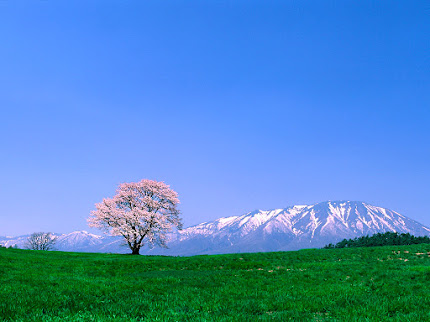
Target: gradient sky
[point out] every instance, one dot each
(238, 105)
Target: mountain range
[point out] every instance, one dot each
(291, 228)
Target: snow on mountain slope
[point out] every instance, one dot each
(290, 228)
(77, 241)
(9, 241)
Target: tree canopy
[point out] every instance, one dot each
(381, 239)
(41, 241)
(140, 212)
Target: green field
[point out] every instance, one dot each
(359, 284)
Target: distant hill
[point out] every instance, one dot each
(284, 229)
(77, 241)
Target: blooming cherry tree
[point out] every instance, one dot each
(141, 212)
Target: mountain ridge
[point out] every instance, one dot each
(283, 229)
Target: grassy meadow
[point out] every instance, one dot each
(389, 283)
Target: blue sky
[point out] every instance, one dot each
(238, 105)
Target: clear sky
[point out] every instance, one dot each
(238, 105)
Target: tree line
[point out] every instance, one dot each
(380, 239)
(10, 247)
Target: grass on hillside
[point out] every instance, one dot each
(360, 284)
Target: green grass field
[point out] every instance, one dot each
(360, 284)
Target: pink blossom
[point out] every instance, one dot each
(141, 212)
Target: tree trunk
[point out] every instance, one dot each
(135, 251)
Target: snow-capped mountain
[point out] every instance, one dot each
(77, 241)
(83, 241)
(290, 228)
(9, 241)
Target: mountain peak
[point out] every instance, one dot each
(295, 227)
(282, 229)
